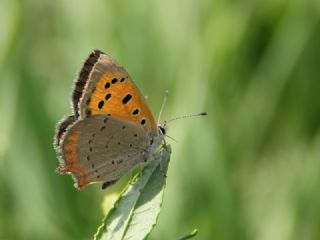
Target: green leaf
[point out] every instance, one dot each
(190, 235)
(135, 212)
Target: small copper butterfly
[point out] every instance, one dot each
(112, 128)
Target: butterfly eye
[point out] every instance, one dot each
(162, 130)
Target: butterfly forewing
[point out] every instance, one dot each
(110, 90)
(82, 80)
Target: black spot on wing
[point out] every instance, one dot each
(136, 111)
(100, 104)
(127, 98)
(107, 85)
(108, 96)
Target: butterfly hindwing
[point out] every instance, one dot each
(101, 148)
(62, 127)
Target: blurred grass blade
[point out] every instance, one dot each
(190, 235)
(137, 208)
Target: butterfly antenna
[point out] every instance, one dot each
(163, 105)
(171, 138)
(187, 116)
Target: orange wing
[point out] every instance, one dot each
(104, 87)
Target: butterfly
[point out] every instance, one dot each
(112, 128)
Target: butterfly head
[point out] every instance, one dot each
(163, 128)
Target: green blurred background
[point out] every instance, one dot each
(249, 170)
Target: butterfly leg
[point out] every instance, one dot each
(108, 184)
(162, 167)
(134, 173)
(131, 177)
(161, 163)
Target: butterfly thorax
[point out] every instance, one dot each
(156, 141)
